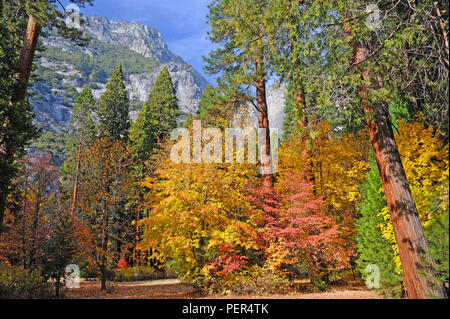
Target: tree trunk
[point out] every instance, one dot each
(264, 130)
(104, 247)
(20, 91)
(409, 233)
(58, 279)
(35, 224)
(75, 183)
(300, 101)
(26, 58)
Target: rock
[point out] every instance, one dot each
(53, 102)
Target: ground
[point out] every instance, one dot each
(173, 289)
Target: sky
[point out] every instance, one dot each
(182, 23)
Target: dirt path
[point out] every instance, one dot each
(174, 289)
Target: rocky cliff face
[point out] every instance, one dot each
(65, 69)
(133, 35)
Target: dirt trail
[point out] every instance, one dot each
(174, 289)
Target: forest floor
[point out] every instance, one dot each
(174, 289)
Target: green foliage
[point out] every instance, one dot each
(59, 249)
(16, 127)
(208, 106)
(373, 248)
(82, 121)
(96, 68)
(292, 114)
(398, 109)
(19, 283)
(114, 108)
(52, 142)
(156, 119)
(438, 237)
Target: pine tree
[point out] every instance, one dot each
(59, 249)
(16, 127)
(114, 108)
(20, 27)
(82, 131)
(292, 114)
(82, 126)
(373, 248)
(237, 26)
(207, 106)
(156, 119)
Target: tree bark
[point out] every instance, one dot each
(20, 91)
(57, 283)
(264, 130)
(75, 183)
(26, 58)
(104, 247)
(408, 229)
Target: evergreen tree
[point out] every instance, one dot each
(156, 119)
(292, 113)
(16, 127)
(114, 108)
(215, 109)
(82, 131)
(208, 105)
(59, 249)
(373, 248)
(237, 26)
(82, 126)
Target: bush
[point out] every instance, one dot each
(438, 236)
(18, 283)
(135, 273)
(373, 248)
(254, 280)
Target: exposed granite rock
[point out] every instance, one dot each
(133, 35)
(53, 105)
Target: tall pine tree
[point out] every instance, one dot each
(237, 27)
(82, 124)
(16, 127)
(156, 119)
(82, 131)
(114, 108)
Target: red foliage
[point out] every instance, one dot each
(227, 261)
(295, 221)
(122, 263)
(28, 226)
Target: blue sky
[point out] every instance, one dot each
(182, 23)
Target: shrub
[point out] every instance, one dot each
(18, 283)
(438, 236)
(135, 273)
(122, 264)
(253, 280)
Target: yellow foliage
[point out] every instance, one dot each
(425, 160)
(195, 208)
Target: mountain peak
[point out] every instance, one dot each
(135, 36)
